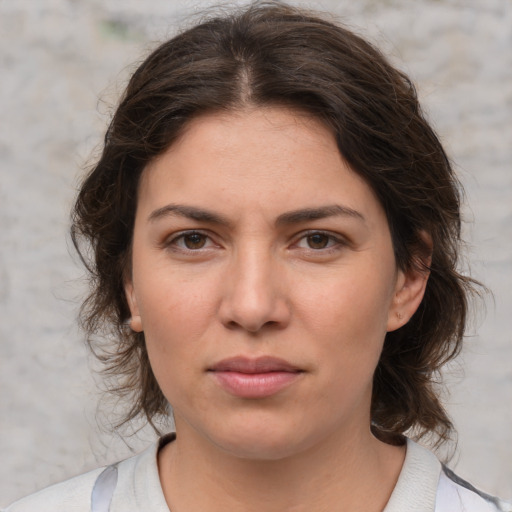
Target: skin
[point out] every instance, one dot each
(254, 279)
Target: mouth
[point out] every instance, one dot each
(254, 378)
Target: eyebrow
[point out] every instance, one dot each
(189, 212)
(308, 214)
(292, 217)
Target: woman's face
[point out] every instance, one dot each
(265, 282)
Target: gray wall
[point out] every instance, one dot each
(63, 63)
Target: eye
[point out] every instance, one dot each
(318, 240)
(191, 241)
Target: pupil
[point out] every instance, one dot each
(194, 241)
(317, 241)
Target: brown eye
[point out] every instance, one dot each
(318, 241)
(194, 241)
(189, 242)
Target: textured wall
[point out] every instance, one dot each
(62, 64)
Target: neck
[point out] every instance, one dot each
(354, 474)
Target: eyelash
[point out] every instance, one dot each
(334, 243)
(173, 242)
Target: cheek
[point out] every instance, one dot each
(172, 340)
(348, 322)
(171, 301)
(176, 315)
(174, 322)
(347, 303)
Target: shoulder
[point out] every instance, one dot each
(132, 484)
(455, 494)
(73, 495)
(425, 485)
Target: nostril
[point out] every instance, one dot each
(232, 325)
(254, 328)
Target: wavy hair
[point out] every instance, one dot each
(274, 54)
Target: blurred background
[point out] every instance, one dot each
(63, 63)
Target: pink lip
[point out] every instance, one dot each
(254, 378)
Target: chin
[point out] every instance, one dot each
(262, 442)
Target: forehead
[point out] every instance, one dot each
(243, 138)
(263, 159)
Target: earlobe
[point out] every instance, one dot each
(135, 320)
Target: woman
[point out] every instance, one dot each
(274, 231)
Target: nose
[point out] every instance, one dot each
(255, 294)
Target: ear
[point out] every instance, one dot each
(135, 320)
(410, 288)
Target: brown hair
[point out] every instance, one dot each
(270, 53)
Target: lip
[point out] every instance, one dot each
(254, 377)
